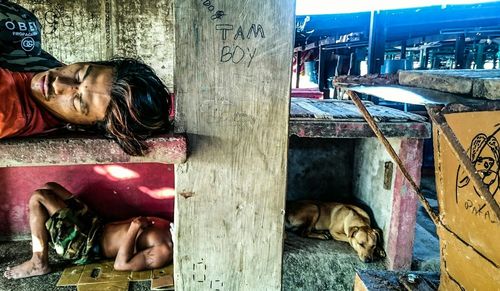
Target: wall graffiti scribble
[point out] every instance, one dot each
(56, 17)
(484, 153)
(236, 53)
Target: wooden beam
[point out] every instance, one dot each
(233, 96)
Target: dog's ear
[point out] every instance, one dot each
(379, 251)
(352, 231)
(378, 234)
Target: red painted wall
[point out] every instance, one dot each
(116, 191)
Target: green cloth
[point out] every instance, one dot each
(74, 232)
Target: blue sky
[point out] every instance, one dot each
(310, 7)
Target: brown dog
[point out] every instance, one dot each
(343, 222)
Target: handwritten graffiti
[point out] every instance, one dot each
(56, 17)
(236, 53)
(255, 31)
(211, 8)
(484, 153)
(479, 210)
(218, 15)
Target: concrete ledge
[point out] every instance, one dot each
(72, 150)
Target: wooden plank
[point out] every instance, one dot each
(474, 83)
(233, 84)
(347, 111)
(73, 150)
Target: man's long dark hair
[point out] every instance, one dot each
(139, 106)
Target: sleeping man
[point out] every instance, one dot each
(79, 235)
(122, 98)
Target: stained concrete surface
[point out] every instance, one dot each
(313, 264)
(16, 252)
(92, 30)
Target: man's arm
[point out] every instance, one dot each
(150, 258)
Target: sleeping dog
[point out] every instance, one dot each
(343, 222)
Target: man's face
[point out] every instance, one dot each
(78, 93)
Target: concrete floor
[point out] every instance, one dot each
(13, 253)
(426, 245)
(313, 264)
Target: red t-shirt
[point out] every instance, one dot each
(20, 115)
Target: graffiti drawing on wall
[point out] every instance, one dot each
(484, 152)
(54, 17)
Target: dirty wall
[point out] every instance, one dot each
(97, 30)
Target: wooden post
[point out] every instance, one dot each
(232, 78)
